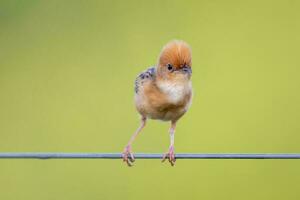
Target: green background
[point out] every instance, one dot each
(67, 70)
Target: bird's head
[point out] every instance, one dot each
(175, 62)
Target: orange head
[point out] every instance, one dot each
(175, 61)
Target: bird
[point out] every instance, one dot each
(163, 92)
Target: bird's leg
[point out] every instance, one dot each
(127, 152)
(170, 154)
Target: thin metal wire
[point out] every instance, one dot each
(28, 155)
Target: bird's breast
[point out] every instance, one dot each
(175, 92)
(164, 101)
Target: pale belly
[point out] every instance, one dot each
(170, 107)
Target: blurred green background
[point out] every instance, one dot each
(66, 85)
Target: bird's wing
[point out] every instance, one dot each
(145, 76)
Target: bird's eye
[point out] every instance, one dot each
(170, 67)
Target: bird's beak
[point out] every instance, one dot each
(187, 70)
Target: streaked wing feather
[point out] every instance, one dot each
(146, 75)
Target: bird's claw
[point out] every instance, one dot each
(128, 156)
(170, 155)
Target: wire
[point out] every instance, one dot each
(50, 155)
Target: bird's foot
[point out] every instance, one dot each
(170, 155)
(128, 156)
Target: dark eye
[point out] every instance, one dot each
(170, 67)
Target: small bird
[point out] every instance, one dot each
(164, 92)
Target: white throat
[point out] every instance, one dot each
(174, 90)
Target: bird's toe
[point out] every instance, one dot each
(170, 156)
(128, 156)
